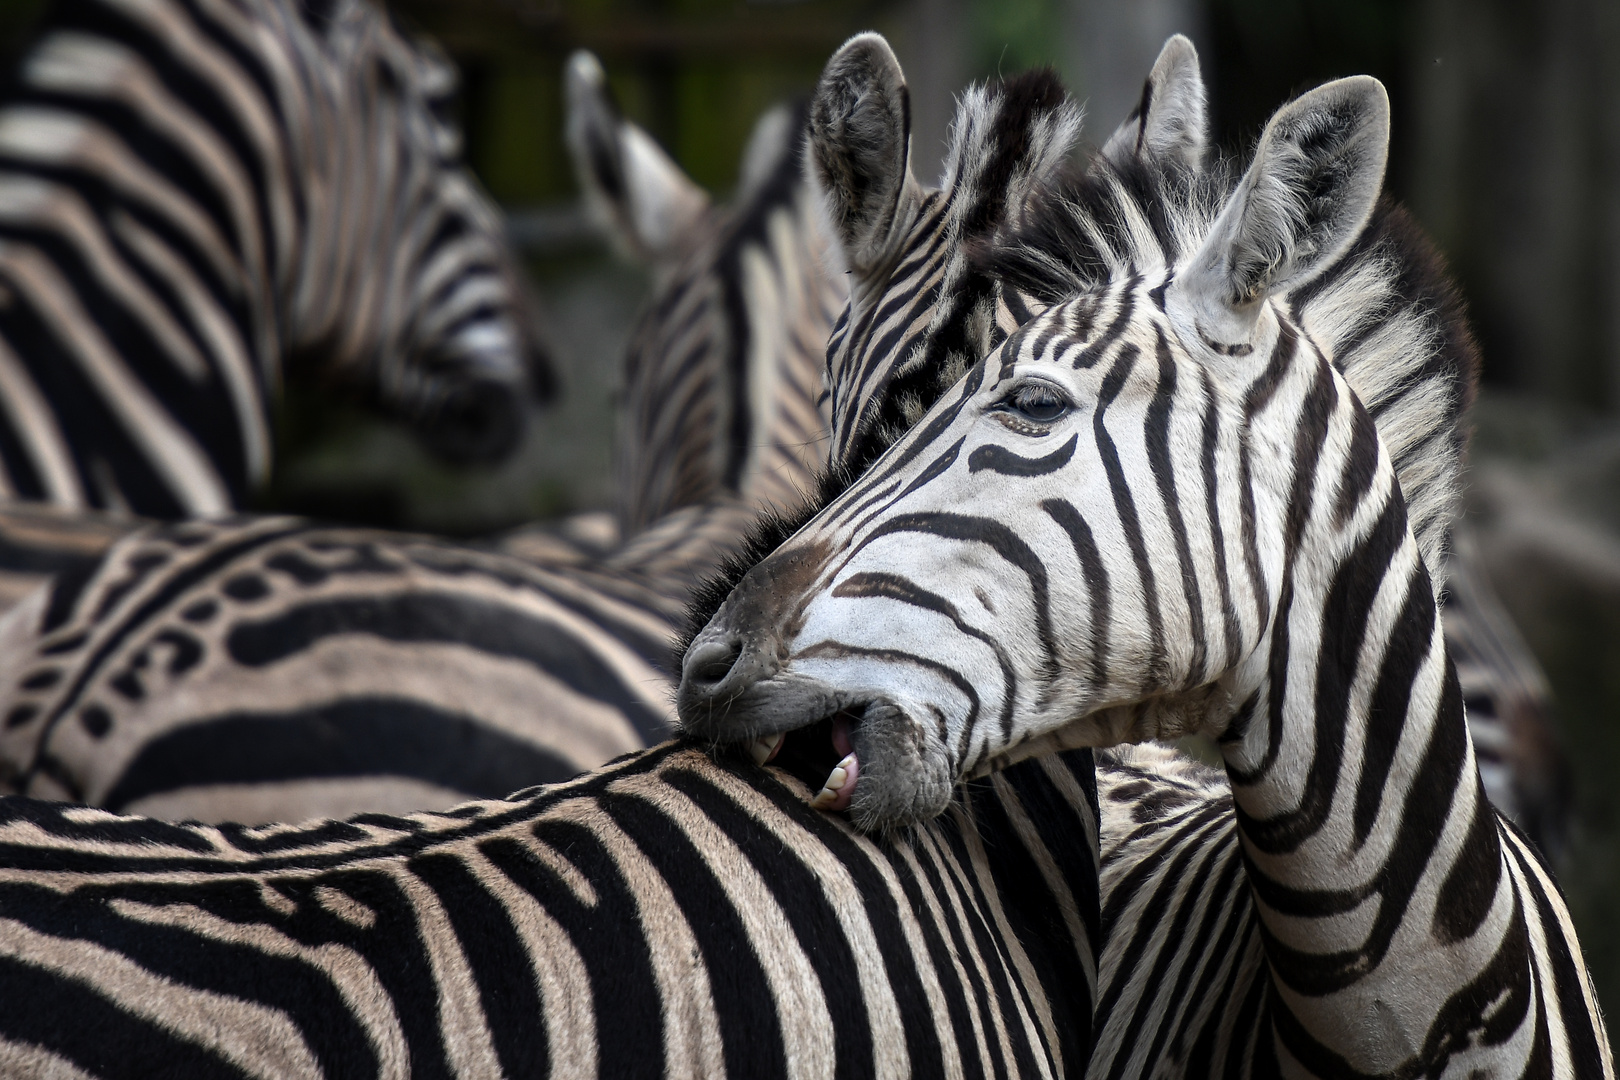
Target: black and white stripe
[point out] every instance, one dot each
(664, 916)
(197, 196)
(269, 669)
(1158, 509)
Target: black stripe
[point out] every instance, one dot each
(750, 1024)
(1160, 461)
(47, 1010)
(499, 961)
(901, 590)
(1212, 511)
(611, 943)
(182, 581)
(1098, 596)
(998, 459)
(1125, 505)
(347, 737)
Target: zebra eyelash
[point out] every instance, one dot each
(1027, 406)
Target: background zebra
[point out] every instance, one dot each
(723, 375)
(264, 669)
(198, 199)
(1404, 928)
(664, 916)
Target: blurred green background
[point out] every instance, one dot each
(1506, 145)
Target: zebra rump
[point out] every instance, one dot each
(664, 916)
(199, 199)
(270, 669)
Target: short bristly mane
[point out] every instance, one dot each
(1385, 312)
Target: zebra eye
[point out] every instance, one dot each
(1038, 403)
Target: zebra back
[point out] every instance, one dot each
(663, 916)
(270, 668)
(195, 198)
(723, 372)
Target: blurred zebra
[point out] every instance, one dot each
(270, 669)
(1156, 509)
(663, 916)
(262, 669)
(723, 373)
(199, 199)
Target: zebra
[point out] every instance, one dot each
(271, 668)
(1228, 550)
(395, 672)
(732, 346)
(913, 325)
(198, 199)
(663, 916)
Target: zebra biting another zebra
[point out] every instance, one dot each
(197, 199)
(1156, 509)
(925, 311)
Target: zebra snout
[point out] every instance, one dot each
(710, 663)
(720, 678)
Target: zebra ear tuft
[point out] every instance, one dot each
(1305, 198)
(860, 148)
(633, 190)
(1169, 121)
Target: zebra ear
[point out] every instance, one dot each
(860, 148)
(636, 194)
(1306, 197)
(774, 140)
(1169, 121)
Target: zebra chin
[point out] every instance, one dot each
(857, 752)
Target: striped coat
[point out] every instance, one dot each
(724, 372)
(661, 917)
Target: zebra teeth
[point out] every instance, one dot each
(839, 787)
(764, 748)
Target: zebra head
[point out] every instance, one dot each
(919, 311)
(402, 281)
(1082, 542)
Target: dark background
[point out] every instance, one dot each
(1506, 146)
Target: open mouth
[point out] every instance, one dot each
(821, 753)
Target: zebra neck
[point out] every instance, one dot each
(1356, 794)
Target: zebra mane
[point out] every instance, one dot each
(1385, 313)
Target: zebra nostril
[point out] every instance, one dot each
(708, 664)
